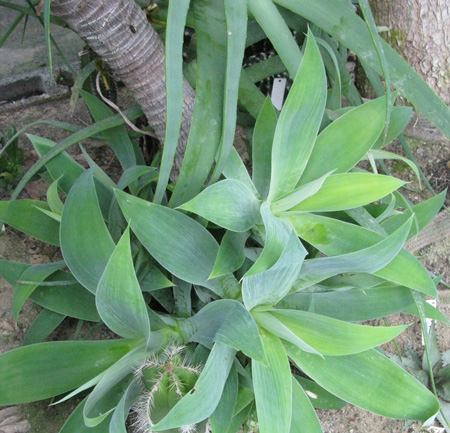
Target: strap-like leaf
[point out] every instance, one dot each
(304, 418)
(273, 387)
(262, 147)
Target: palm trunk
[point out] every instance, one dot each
(420, 31)
(118, 31)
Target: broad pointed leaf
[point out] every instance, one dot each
(349, 190)
(180, 244)
(85, 241)
(299, 123)
(203, 399)
(119, 297)
(334, 337)
(346, 133)
(334, 237)
(231, 253)
(228, 203)
(26, 216)
(229, 322)
(270, 286)
(40, 371)
(371, 381)
(368, 260)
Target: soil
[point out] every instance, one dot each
(431, 149)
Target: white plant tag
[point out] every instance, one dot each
(277, 95)
(433, 303)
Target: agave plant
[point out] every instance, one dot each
(237, 303)
(259, 277)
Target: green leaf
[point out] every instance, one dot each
(180, 244)
(43, 326)
(333, 337)
(48, 43)
(221, 418)
(120, 414)
(369, 260)
(304, 418)
(276, 327)
(40, 371)
(62, 166)
(400, 117)
(112, 385)
(66, 296)
(278, 233)
(344, 143)
(262, 147)
(278, 32)
(382, 154)
(80, 134)
(423, 212)
(273, 387)
(353, 305)
(25, 216)
(236, 16)
(235, 169)
(299, 194)
(25, 287)
(116, 137)
(206, 127)
(228, 203)
(119, 298)
(85, 241)
(349, 190)
(299, 123)
(371, 381)
(333, 237)
(176, 20)
(204, 398)
(270, 286)
(227, 321)
(55, 203)
(320, 398)
(349, 29)
(75, 423)
(231, 253)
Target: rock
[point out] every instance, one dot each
(13, 421)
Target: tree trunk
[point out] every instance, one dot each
(118, 31)
(420, 32)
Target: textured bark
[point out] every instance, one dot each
(118, 31)
(420, 31)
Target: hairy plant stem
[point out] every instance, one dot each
(118, 31)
